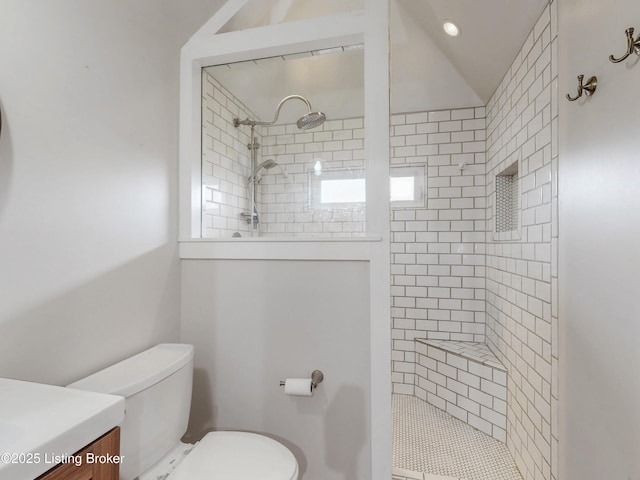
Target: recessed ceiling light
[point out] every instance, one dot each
(451, 28)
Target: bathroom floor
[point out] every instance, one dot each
(429, 444)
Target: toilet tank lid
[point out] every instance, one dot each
(139, 372)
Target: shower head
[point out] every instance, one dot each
(311, 120)
(267, 164)
(307, 121)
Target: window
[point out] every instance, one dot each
(347, 190)
(335, 188)
(407, 186)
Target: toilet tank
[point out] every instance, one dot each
(156, 385)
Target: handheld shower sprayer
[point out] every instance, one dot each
(267, 165)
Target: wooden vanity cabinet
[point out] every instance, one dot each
(105, 447)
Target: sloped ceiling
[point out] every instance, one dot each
(177, 18)
(429, 70)
(258, 13)
(333, 83)
(492, 33)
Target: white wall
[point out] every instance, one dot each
(599, 261)
(254, 323)
(89, 97)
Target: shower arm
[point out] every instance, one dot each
(237, 122)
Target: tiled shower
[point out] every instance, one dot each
(474, 277)
(462, 283)
(285, 200)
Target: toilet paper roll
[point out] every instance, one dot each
(299, 387)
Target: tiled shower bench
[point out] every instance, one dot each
(466, 380)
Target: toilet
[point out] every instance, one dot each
(157, 385)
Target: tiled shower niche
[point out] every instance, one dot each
(507, 202)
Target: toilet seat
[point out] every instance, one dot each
(237, 456)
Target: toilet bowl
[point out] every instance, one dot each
(237, 456)
(157, 387)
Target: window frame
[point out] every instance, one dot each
(419, 191)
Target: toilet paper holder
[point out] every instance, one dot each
(316, 377)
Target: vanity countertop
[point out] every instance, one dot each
(40, 424)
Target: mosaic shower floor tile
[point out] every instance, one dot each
(429, 441)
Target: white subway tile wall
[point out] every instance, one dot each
(437, 252)
(521, 123)
(286, 206)
(226, 161)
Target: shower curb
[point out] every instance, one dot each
(404, 474)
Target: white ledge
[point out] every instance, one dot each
(278, 248)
